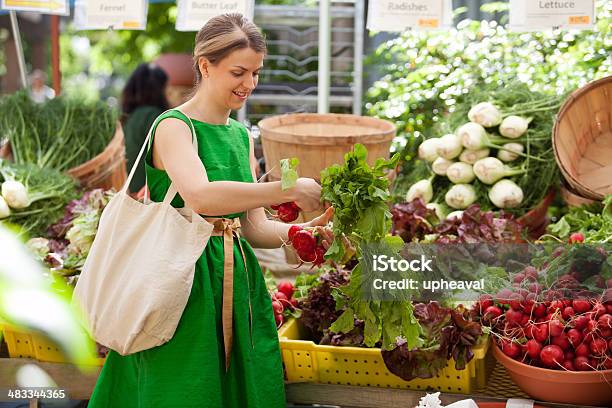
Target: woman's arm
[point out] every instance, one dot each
(173, 152)
(262, 232)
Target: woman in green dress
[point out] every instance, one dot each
(215, 360)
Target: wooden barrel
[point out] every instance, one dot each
(582, 139)
(320, 140)
(106, 170)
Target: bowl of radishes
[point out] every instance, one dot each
(558, 350)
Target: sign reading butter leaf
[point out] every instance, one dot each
(193, 14)
(399, 15)
(532, 15)
(39, 6)
(115, 14)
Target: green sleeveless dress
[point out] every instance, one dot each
(189, 370)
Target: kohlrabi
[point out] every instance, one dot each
(485, 114)
(472, 156)
(440, 165)
(421, 189)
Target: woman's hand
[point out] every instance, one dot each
(307, 194)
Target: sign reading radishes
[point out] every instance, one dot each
(115, 14)
(531, 15)
(39, 6)
(399, 15)
(193, 14)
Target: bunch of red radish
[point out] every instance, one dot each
(560, 334)
(287, 212)
(307, 244)
(283, 300)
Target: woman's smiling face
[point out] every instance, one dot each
(234, 77)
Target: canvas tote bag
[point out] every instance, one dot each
(138, 275)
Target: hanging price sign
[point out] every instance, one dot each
(115, 14)
(38, 6)
(193, 14)
(399, 15)
(532, 15)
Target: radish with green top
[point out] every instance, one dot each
(5, 211)
(421, 189)
(489, 170)
(485, 114)
(460, 173)
(450, 146)
(506, 194)
(460, 196)
(472, 156)
(509, 152)
(428, 149)
(15, 194)
(514, 126)
(440, 165)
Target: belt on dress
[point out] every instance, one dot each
(228, 228)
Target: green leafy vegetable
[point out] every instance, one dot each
(289, 174)
(594, 221)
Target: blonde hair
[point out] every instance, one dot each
(222, 35)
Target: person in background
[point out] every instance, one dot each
(142, 100)
(39, 91)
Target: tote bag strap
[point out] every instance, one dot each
(171, 193)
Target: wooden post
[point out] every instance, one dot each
(55, 55)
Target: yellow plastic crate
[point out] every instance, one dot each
(22, 344)
(306, 361)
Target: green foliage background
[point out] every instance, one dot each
(424, 75)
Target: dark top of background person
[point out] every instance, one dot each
(142, 100)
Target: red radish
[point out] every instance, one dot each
(606, 333)
(531, 272)
(598, 347)
(552, 356)
(568, 313)
(275, 206)
(319, 256)
(535, 288)
(569, 355)
(485, 301)
(566, 303)
(587, 336)
(292, 230)
(605, 321)
(607, 364)
(492, 312)
(279, 319)
(554, 305)
(556, 328)
(515, 301)
(540, 332)
(598, 310)
(583, 350)
(280, 296)
(576, 238)
(511, 349)
(278, 307)
(610, 345)
(574, 336)
(533, 348)
(539, 310)
(286, 287)
(568, 365)
(294, 302)
(518, 278)
(288, 212)
(592, 326)
(305, 244)
(582, 364)
(581, 305)
(580, 322)
(514, 316)
(503, 295)
(524, 320)
(562, 341)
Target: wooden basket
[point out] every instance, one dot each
(106, 170)
(320, 140)
(582, 139)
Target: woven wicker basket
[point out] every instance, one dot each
(582, 139)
